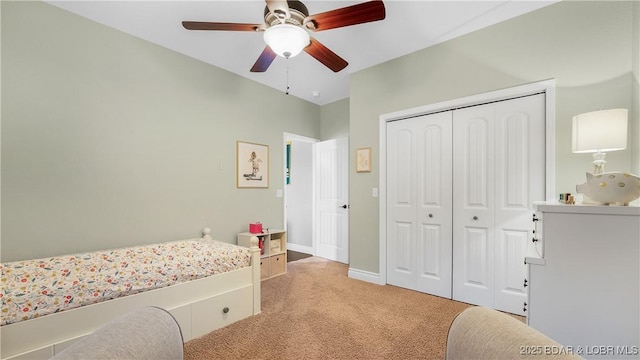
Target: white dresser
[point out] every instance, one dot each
(585, 290)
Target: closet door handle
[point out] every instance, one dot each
(430, 215)
(475, 218)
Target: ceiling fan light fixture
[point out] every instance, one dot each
(286, 40)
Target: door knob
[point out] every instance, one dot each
(430, 215)
(345, 206)
(475, 218)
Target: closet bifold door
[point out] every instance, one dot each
(473, 204)
(520, 181)
(419, 203)
(499, 172)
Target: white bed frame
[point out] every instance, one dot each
(200, 306)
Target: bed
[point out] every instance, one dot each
(49, 303)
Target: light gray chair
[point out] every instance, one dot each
(145, 333)
(483, 333)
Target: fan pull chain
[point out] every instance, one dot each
(287, 90)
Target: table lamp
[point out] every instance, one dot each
(596, 132)
(599, 132)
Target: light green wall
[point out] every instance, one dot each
(334, 120)
(586, 46)
(109, 141)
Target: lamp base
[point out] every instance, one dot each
(598, 162)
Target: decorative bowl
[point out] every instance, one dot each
(611, 188)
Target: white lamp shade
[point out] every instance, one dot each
(286, 40)
(600, 131)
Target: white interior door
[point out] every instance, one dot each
(473, 203)
(520, 181)
(332, 199)
(419, 228)
(401, 204)
(499, 171)
(500, 168)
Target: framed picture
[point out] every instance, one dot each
(363, 160)
(252, 165)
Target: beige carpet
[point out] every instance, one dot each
(316, 312)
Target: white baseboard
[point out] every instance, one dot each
(300, 248)
(367, 276)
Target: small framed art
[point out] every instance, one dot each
(252, 164)
(363, 160)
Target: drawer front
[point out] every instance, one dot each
(43, 353)
(209, 314)
(278, 264)
(264, 268)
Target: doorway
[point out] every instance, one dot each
(316, 196)
(299, 193)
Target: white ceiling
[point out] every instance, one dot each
(409, 26)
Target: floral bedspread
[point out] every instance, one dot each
(34, 288)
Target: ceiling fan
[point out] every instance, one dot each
(287, 25)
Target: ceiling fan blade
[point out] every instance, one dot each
(347, 16)
(199, 25)
(325, 56)
(279, 8)
(264, 60)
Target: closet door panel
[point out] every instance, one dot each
(401, 205)
(432, 162)
(511, 245)
(404, 164)
(419, 204)
(474, 174)
(428, 252)
(402, 258)
(434, 210)
(473, 204)
(520, 179)
(475, 250)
